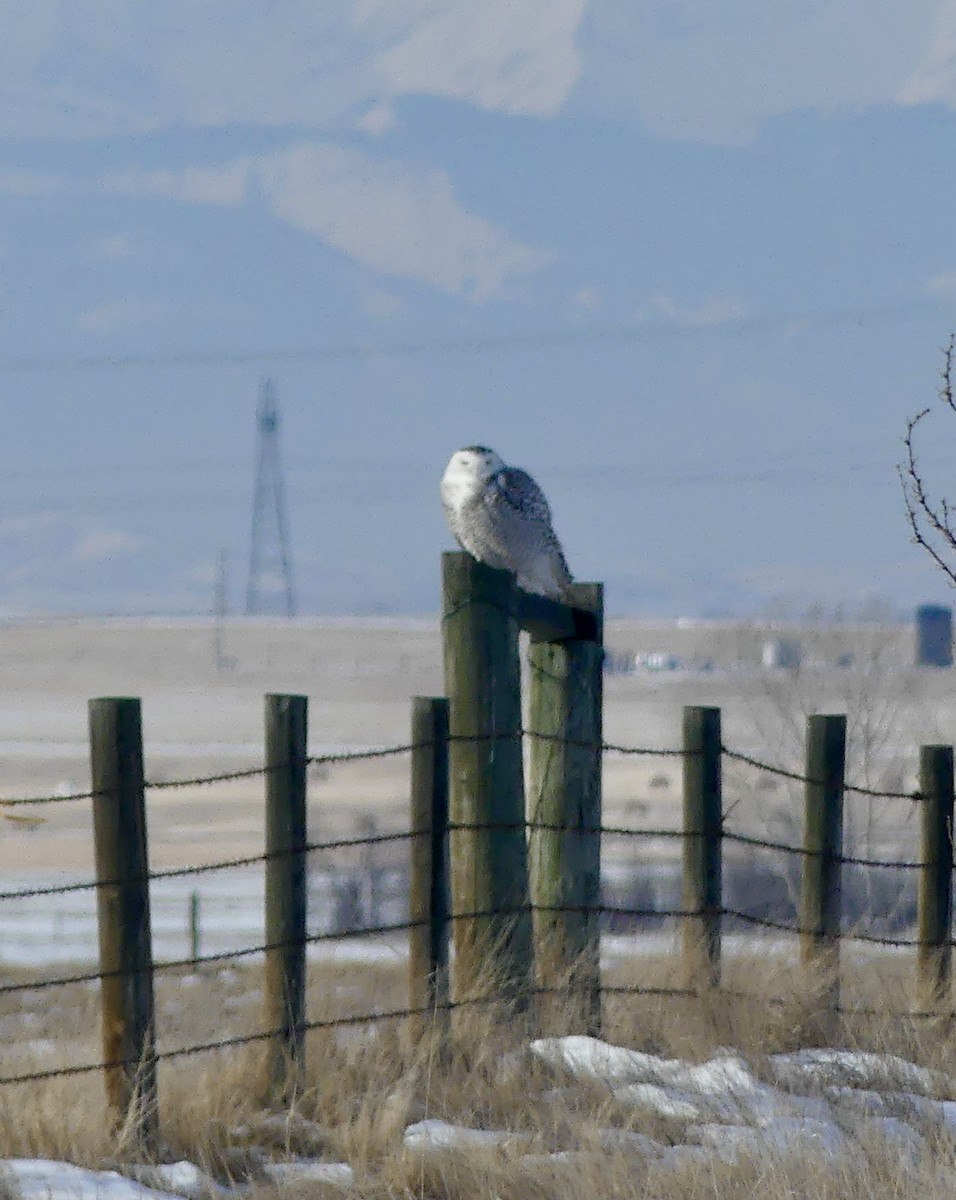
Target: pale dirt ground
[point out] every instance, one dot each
(359, 676)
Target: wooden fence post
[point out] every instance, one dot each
(286, 720)
(703, 820)
(122, 873)
(564, 814)
(489, 862)
(428, 936)
(823, 851)
(934, 953)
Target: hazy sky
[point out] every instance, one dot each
(690, 263)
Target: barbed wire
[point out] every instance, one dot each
(373, 753)
(614, 748)
(245, 1039)
(798, 777)
(194, 963)
(519, 996)
(449, 919)
(407, 835)
(851, 935)
(332, 759)
(229, 776)
(225, 864)
(380, 839)
(745, 839)
(376, 839)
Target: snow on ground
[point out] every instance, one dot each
(43, 930)
(40, 930)
(829, 1105)
(41, 1178)
(45, 1179)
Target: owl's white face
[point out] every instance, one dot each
(473, 463)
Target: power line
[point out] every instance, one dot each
(350, 490)
(533, 340)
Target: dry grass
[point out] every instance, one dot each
(363, 1085)
(769, 1004)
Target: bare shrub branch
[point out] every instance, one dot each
(931, 520)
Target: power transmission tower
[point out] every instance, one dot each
(222, 660)
(270, 535)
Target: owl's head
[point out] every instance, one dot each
(477, 462)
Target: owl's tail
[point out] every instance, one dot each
(548, 577)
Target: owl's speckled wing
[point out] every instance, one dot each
(521, 518)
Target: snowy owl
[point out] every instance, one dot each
(501, 517)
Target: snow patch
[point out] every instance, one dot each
(46, 1179)
(433, 1134)
(855, 1068)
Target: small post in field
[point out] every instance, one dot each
(564, 818)
(820, 916)
(194, 931)
(285, 879)
(702, 844)
(489, 863)
(126, 957)
(428, 936)
(934, 952)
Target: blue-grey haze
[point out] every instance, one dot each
(698, 307)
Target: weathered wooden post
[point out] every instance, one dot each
(286, 719)
(934, 952)
(122, 874)
(564, 817)
(821, 907)
(702, 843)
(489, 865)
(428, 936)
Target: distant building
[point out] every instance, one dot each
(781, 653)
(934, 636)
(657, 660)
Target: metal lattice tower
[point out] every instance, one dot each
(270, 530)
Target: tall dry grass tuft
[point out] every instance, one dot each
(770, 1003)
(61, 1118)
(364, 1085)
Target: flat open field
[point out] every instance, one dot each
(367, 1094)
(204, 715)
(201, 718)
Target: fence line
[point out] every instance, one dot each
(426, 1011)
(526, 889)
(376, 839)
(380, 839)
(408, 747)
(689, 911)
(604, 910)
(312, 1026)
(407, 835)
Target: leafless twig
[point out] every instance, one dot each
(931, 520)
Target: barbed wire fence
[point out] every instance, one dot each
(625, 912)
(488, 870)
